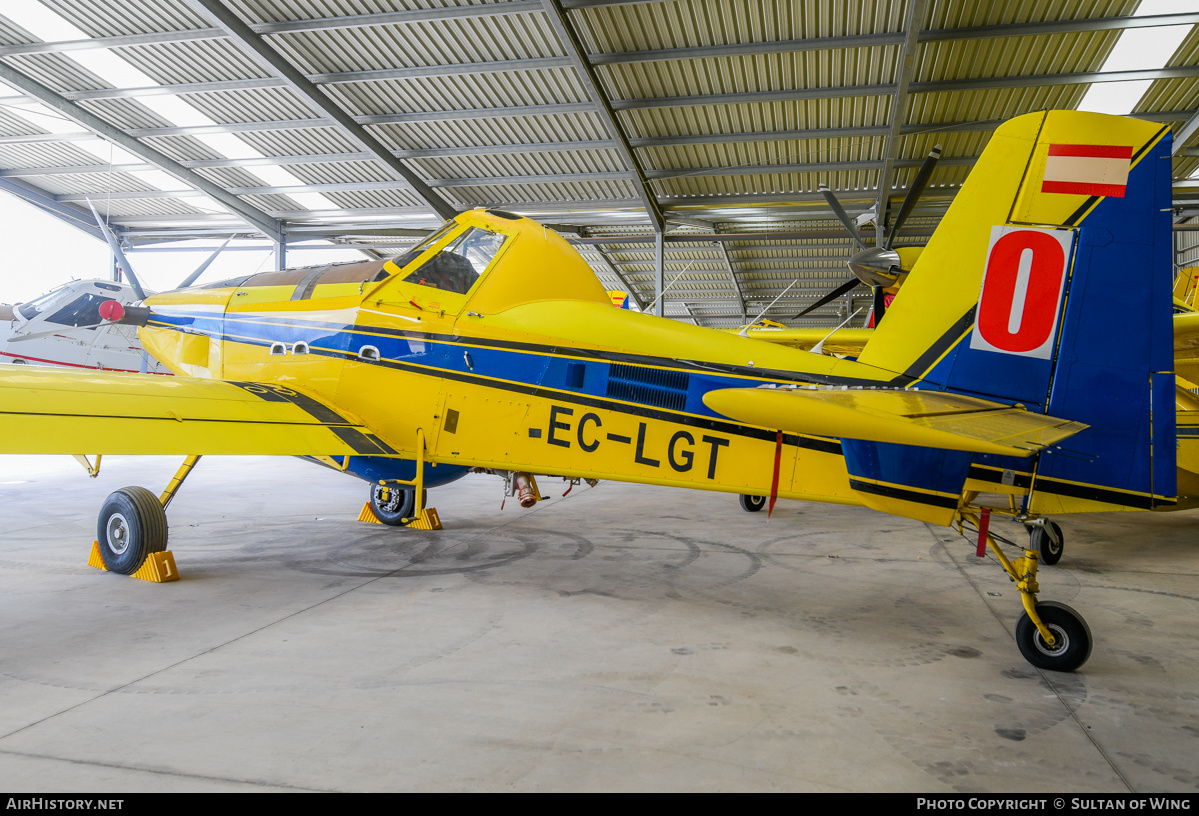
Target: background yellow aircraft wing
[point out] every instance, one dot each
(55, 411)
(1186, 346)
(931, 419)
(842, 341)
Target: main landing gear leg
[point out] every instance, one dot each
(1050, 635)
(390, 504)
(131, 533)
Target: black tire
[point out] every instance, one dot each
(399, 506)
(132, 524)
(1071, 631)
(1042, 542)
(753, 504)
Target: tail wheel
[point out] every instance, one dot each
(395, 506)
(1043, 542)
(132, 525)
(1071, 634)
(753, 504)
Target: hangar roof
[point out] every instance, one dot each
(368, 122)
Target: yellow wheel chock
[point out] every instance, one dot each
(158, 568)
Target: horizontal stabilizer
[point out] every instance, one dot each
(57, 411)
(931, 419)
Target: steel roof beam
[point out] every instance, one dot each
(317, 158)
(354, 186)
(591, 85)
(487, 113)
(905, 73)
(526, 6)
(480, 181)
(934, 86)
(890, 89)
(271, 59)
(260, 220)
(1184, 133)
(285, 27)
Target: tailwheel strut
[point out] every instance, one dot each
(131, 532)
(1050, 635)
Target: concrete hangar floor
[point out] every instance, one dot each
(621, 638)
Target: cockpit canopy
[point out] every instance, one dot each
(459, 263)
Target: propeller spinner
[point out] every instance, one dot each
(879, 266)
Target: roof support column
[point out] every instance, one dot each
(728, 264)
(599, 250)
(659, 274)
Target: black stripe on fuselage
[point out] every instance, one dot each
(818, 444)
(893, 492)
(987, 474)
(1101, 494)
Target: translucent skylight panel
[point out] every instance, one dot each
(114, 69)
(1138, 49)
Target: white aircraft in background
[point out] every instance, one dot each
(65, 327)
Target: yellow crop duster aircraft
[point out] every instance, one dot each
(492, 345)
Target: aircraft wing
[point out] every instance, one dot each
(1186, 346)
(54, 411)
(931, 419)
(842, 341)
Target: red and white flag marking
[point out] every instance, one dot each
(1098, 170)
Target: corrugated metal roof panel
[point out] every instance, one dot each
(111, 18)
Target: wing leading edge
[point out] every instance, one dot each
(51, 411)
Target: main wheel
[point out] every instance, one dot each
(393, 505)
(1041, 541)
(1070, 631)
(752, 504)
(132, 525)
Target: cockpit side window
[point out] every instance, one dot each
(457, 266)
(82, 311)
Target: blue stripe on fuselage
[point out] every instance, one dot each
(533, 366)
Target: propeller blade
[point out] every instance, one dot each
(833, 295)
(914, 193)
(190, 279)
(122, 261)
(842, 216)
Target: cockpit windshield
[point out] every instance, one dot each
(410, 255)
(33, 308)
(458, 265)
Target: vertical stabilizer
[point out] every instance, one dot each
(1048, 283)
